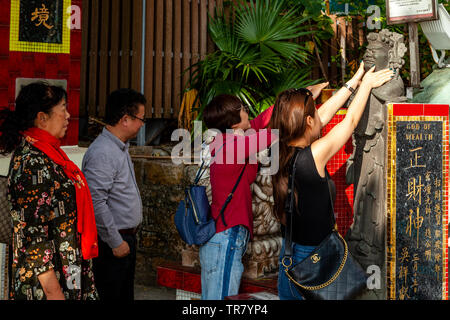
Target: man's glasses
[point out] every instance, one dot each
(134, 117)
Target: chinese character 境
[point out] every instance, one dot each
(42, 15)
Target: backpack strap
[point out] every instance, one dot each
(230, 196)
(200, 171)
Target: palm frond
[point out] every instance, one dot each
(292, 78)
(257, 54)
(267, 23)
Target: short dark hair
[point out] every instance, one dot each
(121, 102)
(222, 112)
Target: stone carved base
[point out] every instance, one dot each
(189, 257)
(261, 257)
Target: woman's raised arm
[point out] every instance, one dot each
(332, 105)
(326, 147)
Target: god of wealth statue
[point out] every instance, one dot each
(366, 166)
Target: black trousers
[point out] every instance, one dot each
(114, 277)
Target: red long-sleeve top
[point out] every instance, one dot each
(228, 164)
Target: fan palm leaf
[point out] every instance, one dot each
(292, 78)
(267, 24)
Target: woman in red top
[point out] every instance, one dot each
(221, 256)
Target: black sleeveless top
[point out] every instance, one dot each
(313, 217)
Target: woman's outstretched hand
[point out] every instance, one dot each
(317, 89)
(376, 79)
(359, 74)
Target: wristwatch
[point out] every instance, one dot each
(349, 88)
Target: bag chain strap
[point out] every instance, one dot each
(334, 277)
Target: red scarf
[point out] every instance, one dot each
(50, 145)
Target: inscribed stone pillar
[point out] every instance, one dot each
(417, 198)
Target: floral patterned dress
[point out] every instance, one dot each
(44, 216)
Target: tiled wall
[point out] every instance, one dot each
(343, 205)
(14, 64)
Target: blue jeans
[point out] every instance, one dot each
(286, 289)
(221, 263)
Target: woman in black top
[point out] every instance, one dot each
(299, 124)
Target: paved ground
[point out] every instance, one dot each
(154, 293)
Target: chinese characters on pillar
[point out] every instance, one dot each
(416, 246)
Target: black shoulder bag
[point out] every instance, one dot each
(330, 272)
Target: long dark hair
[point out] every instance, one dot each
(32, 99)
(289, 117)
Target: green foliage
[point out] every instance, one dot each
(256, 56)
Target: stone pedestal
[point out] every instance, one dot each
(189, 256)
(263, 251)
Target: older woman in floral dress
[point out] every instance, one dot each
(54, 234)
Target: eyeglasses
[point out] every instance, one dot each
(134, 117)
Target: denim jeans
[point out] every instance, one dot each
(286, 289)
(221, 263)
